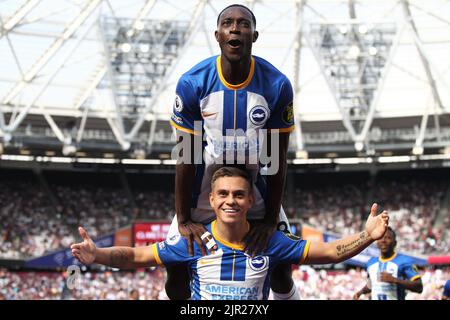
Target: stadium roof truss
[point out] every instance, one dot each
(98, 76)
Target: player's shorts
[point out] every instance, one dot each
(283, 224)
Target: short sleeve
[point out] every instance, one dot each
(411, 272)
(288, 248)
(282, 117)
(447, 289)
(186, 109)
(175, 252)
(370, 262)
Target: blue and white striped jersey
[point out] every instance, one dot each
(447, 289)
(231, 118)
(230, 273)
(399, 266)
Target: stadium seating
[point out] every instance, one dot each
(312, 284)
(36, 218)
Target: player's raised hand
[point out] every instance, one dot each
(84, 251)
(387, 277)
(376, 225)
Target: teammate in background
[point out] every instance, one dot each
(391, 274)
(233, 96)
(229, 272)
(446, 293)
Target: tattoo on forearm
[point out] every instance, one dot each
(345, 248)
(118, 257)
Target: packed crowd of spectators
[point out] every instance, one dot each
(341, 285)
(155, 205)
(100, 210)
(328, 208)
(36, 218)
(149, 285)
(108, 285)
(413, 205)
(29, 225)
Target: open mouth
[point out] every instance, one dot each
(235, 43)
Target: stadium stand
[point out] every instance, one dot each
(39, 212)
(338, 204)
(313, 285)
(370, 80)
(36, 219)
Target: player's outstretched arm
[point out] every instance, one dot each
(117, 257)
(345, 248)
(413, 285)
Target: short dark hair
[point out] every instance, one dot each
(393, 233)
(237, 5)
(231, 172)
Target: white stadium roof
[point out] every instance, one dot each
(56, 68)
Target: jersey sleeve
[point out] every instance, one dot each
(447, 289)
(171, 254)
(282, 117)
(186, 109)
(288, 248)
(370, 262)
(411, 272)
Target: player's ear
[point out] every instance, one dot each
(216, 34)
(211, 200)
(255, 35)
(251, 198)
